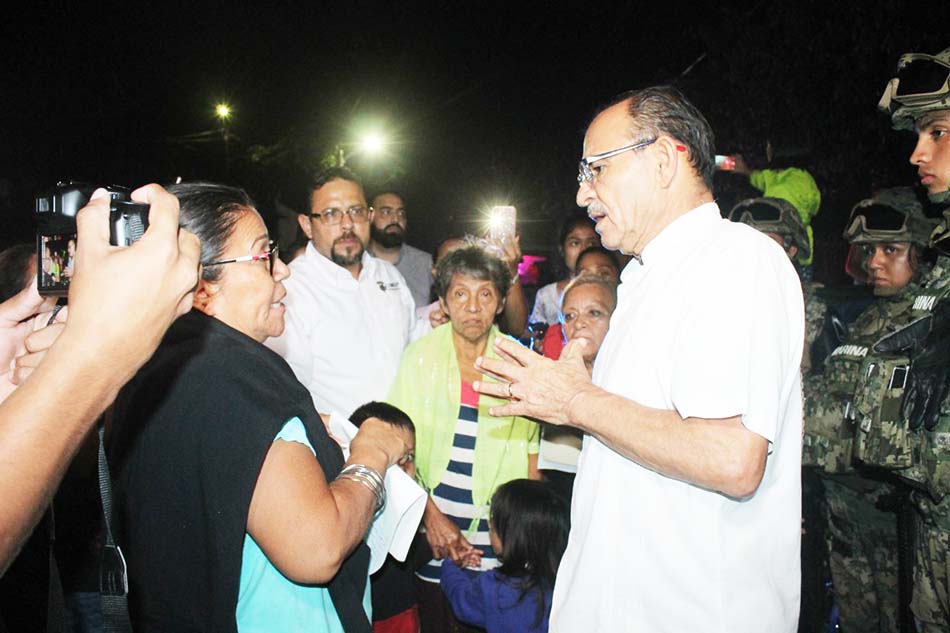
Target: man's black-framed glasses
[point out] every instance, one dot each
(332, 216)
(584, 171)
(270, 255)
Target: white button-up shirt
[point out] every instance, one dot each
(710, 325)
(344, 337)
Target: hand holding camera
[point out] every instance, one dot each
(121, 300)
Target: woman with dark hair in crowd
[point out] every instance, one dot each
(463, 453)
(577, 234)
(237, 509)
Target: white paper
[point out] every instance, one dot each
(395, 526)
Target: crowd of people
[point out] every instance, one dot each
(627, 455)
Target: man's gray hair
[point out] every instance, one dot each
(665, 110)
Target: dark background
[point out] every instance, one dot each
(482, 102)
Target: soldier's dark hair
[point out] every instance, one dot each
(665, 110)
(210, 211)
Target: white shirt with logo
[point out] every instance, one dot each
(344, 337)
(710, 325)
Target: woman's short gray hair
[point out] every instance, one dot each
(589, 280)
(477, 259)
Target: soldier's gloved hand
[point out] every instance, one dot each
(909, 339)
(927, 388)
(929, 378)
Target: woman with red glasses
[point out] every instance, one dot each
(237, 508)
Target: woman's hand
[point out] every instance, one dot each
(381, 441)
(445, 538)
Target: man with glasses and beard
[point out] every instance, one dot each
(349, 314)
(388, 232)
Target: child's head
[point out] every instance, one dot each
(382, 410)
(387, 413)
(529, 525)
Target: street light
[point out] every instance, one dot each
(223, 112)
(370, 144)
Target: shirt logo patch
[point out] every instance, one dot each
(924, 302)
(392, 286)
(850, 350)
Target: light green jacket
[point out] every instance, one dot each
(428, 388)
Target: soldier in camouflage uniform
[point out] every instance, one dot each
(780, 220)
(918, 99)
(857, 392)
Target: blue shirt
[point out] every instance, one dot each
(268, 601)
(491, 601)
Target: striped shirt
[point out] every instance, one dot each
(453, 495)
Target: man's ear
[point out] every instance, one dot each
(792, 251)
(304, 222)
(205, 296)
(668, 163)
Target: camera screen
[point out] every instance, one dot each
(55, 257)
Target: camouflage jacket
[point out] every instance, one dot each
(815, 311)
(853, 406)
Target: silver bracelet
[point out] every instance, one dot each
(368, 477)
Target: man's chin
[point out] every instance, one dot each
(347, 258)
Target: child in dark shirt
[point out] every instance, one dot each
(395, 604)
(528, 529)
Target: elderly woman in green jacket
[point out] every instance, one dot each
(462, 452)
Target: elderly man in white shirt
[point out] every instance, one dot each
(687, 503)
(349, 315)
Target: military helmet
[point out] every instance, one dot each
(922, 85)
(774, 215)
(893, 215)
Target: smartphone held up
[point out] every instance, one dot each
(502, 223)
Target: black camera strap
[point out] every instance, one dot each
(113, 575)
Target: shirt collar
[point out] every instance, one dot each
(681, 234)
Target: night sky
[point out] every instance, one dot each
(482, 103)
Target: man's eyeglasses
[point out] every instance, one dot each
(334, 216)
(270, 255)
(584, 171)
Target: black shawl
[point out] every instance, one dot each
(190, 434)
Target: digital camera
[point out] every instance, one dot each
(56, 230)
